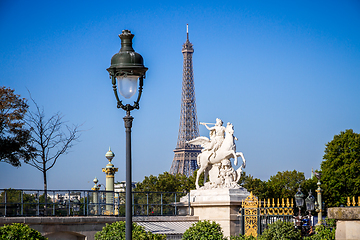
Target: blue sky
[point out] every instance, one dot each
(285, 73)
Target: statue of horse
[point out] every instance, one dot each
(227, 150)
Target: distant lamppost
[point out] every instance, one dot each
(95, 196)
(310, 206)
(127, 71)
(299, 201)
(318, 204)
(306, 229)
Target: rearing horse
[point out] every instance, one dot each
(227, 150)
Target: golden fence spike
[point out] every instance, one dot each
(348, 201)
(268, 202)
(278, 204)
(359, 201)
(273, 203)
(282, 202)
(354, 203)
(287, 202)
(292, 203)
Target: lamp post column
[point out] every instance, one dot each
(95, 196)
(128, 203)
(110, 171)
(127, 68)
(319, 201)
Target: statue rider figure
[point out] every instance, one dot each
(217, 136)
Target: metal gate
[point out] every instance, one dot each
(256, 215)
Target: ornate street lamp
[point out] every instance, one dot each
(310, 202)
(127, 71)
(299, 201)
(310, 206)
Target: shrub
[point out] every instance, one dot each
(204, 230)
(116, 231)
(281, 230)
(17, 231)
(324, 232)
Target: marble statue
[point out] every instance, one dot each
(214, 159)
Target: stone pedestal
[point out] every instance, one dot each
(219, 205)
(348, 222)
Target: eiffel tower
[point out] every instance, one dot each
(185, 154)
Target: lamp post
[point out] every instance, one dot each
(95, 196)
(127, 70)
(319, 206)
(299, 201)
(110, 171)
(310, 206)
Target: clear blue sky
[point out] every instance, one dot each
(285, 73)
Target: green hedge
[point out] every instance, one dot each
(204, 230)
(116, 231)
(19, 231)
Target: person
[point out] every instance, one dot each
(217, 136)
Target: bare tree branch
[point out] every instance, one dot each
(49, 138)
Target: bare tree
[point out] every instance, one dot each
(49, 139)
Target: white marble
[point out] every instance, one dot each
(216, 196)
(220, 205)
(214, 159)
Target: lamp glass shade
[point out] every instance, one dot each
(310, 202)
(299, 202)
(299, 198)
(127, 85)
(310, 205)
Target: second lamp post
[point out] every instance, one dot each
(127, 72)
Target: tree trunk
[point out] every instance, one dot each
(45, 188)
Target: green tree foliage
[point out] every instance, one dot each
(18, 231)
(166, 182)
(14, 196)
(341, 168)
(309, 184)
(255, 185)
(282, 185)
(285, 184)
(281, 231)
(116, 231)
(204, 230)
(14, 199)
(148, 193)
(14, 138)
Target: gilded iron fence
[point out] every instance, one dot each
(21, 202)
(351, 202)
(256, 215)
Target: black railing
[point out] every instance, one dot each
(21, 202)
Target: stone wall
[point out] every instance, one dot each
(83, 228)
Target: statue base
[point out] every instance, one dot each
(220, 205)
